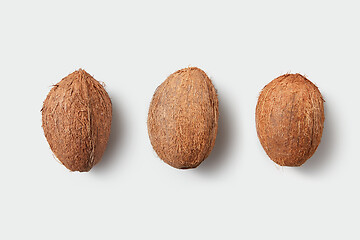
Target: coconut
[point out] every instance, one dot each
(183, 118)
(290, 119)
(76, 119)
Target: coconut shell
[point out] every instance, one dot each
(76, 119)
(290, 119)
(183, 118)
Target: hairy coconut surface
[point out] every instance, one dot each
(290, 119)
(183, 118)
(76, 118)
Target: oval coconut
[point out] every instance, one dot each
(290, 119)
(76, 118)
(183, 118)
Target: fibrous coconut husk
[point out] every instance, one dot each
(183, 118)
(76, 119)
(290, 119)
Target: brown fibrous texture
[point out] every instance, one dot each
(76, 119)
(290, 119)
(183, 118)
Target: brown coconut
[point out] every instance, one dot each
(76, 118)
(183, 118)
(290, 119)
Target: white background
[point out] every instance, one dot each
(132, 46)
